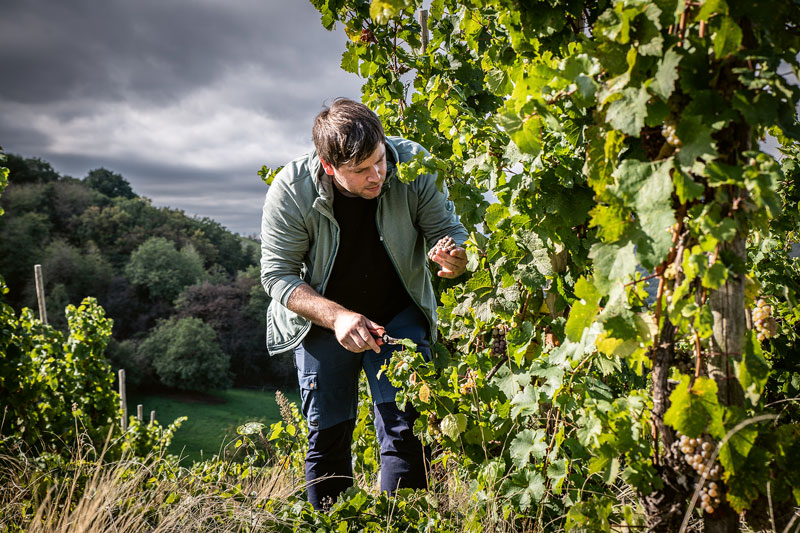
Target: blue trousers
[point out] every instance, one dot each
(328, 376)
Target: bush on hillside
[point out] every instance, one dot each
(53, 388)
(164, 270)
(186, 355)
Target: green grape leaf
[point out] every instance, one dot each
(694, 408)
(733, 454)
(583, 312)
(527, 443)
(727, 38)
(666, 75)
(453, 425)
(696, 141)
(497, 81)
(480, 283)
(715, 276)
(607, 464)
(627, 114)
(647, 187)
(553, 378)
(753, 370)
(711, 8)
(743, 465)
(511, 383)
(250, 428)
(557, 472)
(611, 221)
(525, 487)
(526, 132)
(613, 264)
(350, 60)
(408, 344)
(757, 109)
(525, 402)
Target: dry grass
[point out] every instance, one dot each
(155, 495)
(134, 495)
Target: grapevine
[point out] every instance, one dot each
(596, 151)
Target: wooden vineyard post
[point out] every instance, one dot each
(423, 22)
(37, 270)
(123, 401)
(152, 417)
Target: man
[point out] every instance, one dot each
(343, 257)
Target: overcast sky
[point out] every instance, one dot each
(185, 98)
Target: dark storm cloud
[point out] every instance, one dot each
(153, 50)
(185, 98)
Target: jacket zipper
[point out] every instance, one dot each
(326, 277)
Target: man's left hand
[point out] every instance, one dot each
(453, 263)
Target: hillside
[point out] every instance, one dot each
(151, 268)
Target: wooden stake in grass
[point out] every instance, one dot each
(140, 413)
(123, 401)
(37, 270)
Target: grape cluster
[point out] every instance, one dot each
(697, 452)
(433, 425)
(499, 344)
(765, 325)
(469, 382)
(445, 244)
(668, 131)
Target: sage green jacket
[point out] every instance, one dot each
(300, 236)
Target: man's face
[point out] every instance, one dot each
(364, 179)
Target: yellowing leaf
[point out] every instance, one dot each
(424, 393)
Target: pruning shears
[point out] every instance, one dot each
(384, 338)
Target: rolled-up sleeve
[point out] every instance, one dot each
(284, 241)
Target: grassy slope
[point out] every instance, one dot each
(210, 424)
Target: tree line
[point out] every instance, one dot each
(182, 292)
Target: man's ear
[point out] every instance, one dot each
(327, 167)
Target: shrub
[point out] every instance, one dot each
(164, 270)
(186, 355)
(54, 388)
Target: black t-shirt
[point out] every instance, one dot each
(363, 278)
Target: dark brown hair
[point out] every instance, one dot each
(347, 132)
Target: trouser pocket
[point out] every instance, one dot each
(309, 395)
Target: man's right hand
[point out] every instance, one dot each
(353, 332)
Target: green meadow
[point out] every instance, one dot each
(212, 418)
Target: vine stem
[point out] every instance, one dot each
(547, 459)
(495, 368)
(646, 278)
(698, 354)
(524, 310)
(682, 25)
(698, 348)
